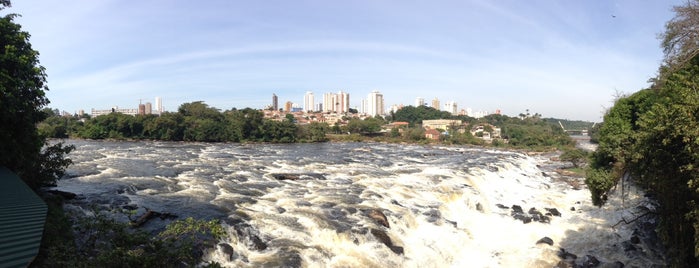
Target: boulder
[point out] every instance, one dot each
(553, 211)
(386, 240)
(564, 255)
(545, 240)
(228, 250)
(517, 209)
(65, 195)
(479, 207)
(298, 176)
(379, 217)
(590, 261)
(501, 206)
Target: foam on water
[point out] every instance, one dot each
(443, 204)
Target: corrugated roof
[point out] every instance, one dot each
(22, 217)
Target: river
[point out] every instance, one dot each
(444, 206)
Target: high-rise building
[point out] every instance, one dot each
(435, 103)
(375, 105)
(275, 102)
(419, 101)
(308, 102)
(141, 109)
(288, 106)
(451, 107)
(149, 108)
(159, 105)
(336, 103)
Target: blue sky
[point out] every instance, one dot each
(564, 59)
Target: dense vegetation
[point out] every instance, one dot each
(22, 86)
(652, 137)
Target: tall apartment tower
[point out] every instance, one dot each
(451, 107)
(149, 108)
(435, 103)
(375, 105)
(159, 105)
(419, 101)
(275, 102)
(336, 103)
(308, 102)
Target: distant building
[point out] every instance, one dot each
(114, 110)
(432, 134)
(275, 102)
(308, 102)
(419, 101)
(159, 105)
(142, 109)
(435, 103)
(375, 104)
(336, 102)
(443, 124)
(149, 108)
(451, 107)
(288, 106)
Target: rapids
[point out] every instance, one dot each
(445, 206)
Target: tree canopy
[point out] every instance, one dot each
(22, 97)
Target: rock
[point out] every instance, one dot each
(544, 219)
(523, 218)
(501, 206)
(298, 176)
(553, 211)
(130, 207)
(564, 255)
(65, 195)
(379, 217)
(616, 264)
(533, 211)
(564, 264)
(634, 239)
(572, 208)
(433, 215)
(590, 261)
(249, 236)
(628, 246)
(479, 207)
(545, 240)
(386, 240)
(150, 214)
(517, 209)
(228, 250)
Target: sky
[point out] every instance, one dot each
(562, 59)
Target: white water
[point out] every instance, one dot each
(429, 195)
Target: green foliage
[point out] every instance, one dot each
(575, 156)
(415, 115)
(599, 181)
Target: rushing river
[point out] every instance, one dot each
(445, 206)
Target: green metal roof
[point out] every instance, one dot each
(22, 217)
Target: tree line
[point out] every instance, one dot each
(652, 137)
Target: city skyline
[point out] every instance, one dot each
(559, 59)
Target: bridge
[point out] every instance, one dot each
(579, 132)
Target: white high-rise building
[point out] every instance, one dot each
(419, 101)
(451, 107)
(308, 102)
(159, 105)
(375, 105)
(336, 103)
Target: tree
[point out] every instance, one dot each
(576, 156)
(680, 41)
(22, 97)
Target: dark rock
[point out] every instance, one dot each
(298, 176)
(564, 255)
(616, 264)
(351, 210)
(386, 240)
(250, 236)
(379, 217)
(545, 240)
(396, 203)
(523, 218)
(544, 219)
(634, 239)
(228, 250)
(479, 207)
(564, 264)
(65, 195)
(572, 208)
(554, 211)
(451, 222)
(628, 246)
(517, 209)
(433, 215)
(130, 207)
(590, 261)
(281, 210)
(533, 211)
(501, 206)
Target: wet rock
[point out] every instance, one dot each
(564, 264)
(635, 240)
(351, 210)
(533, 211)
(523, 218)
(298, 176)
(616, 264)
(249, 236)
(545, 240)
(130, 207)
(228, 250)
(544, 219)
(517, 209)
(572, 208)
(479, 207)
(501, 206)
(281, 210)
(451, 222)
(590, 261)
(433, 215)
(393, 201)
(553, 211)
(628, 246)
(379, 217)
(65, 195)
(564, 255)
(386, 240)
